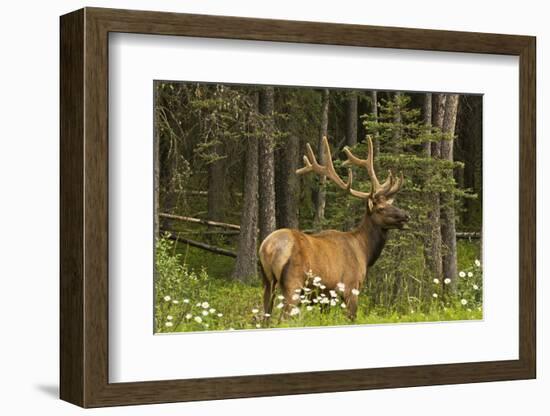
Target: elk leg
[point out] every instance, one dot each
(269, 296)
(291, 285)
(351, 303)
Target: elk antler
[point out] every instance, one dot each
(311, 165)
(390, 187)
(396, 186)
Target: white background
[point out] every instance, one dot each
(29, 217)
(136, 60)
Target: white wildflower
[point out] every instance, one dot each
(316, 279)
(198, 319)
(186, 301)
(258, 326)
(434, 295)
(343, 305)
(169, 324)
(297, 290)
(175, 302)
(188, 316)
(476, 287)
(302, 297)
(307, 289)
(355, 292)
(167, 298)
(280, 305)
(436, 281)
(211, 310)
(220, 315)
(280, 297)
(323, 295)
(333, 294)
(323, 287)
(205, 305)
(294, 311)
(478, 263)
(447, 281)
(206, 325)
(205, 313)
(255, 311)
(295, 296)
(315, 300)
(324, 300)
(309, 308)
(169, 317)
(462, 274)
(267, 315)
(341, 286)
(333, 302)
(470, 274)
(464, 301)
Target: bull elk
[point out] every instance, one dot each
(341, 259)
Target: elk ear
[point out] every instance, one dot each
(370, 205)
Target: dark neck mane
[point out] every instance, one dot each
(374, 236)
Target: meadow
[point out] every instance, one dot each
(194, 292)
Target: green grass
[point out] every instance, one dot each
(195, 284)
(219, 267)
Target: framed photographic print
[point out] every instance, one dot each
(332, 207)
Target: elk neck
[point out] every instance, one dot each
(373, 237)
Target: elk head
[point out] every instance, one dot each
(379, 201)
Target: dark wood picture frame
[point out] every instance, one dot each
(84, 207)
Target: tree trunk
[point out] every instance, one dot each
(468, 149)
(438, 113)
(166, 167)
(287, 183)
(435, 257)
(374, 114)
(266, 164)
(156, 185)
(432, 244)
(397, 120)
(247, 254)
(216, 187)
(320, 199)
(448, 226)
(351, 119)
(427, 120)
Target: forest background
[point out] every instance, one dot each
(226, 157)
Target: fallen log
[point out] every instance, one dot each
(204, 232)
(468, 235)
(205, 193)
(200, 221)
(475, 235)
(204, 246)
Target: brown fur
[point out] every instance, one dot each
(287, 255)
